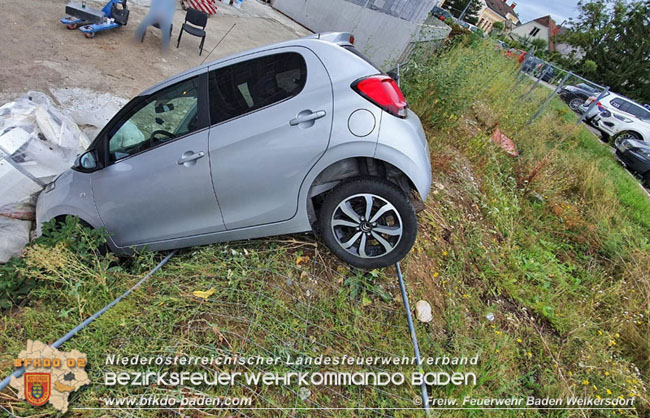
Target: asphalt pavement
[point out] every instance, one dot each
(599, 135)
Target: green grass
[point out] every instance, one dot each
(554, 244)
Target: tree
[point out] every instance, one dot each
(456, 8)
(497, 28)
(613, 43)
(539, 44)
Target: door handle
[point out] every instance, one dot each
(307, 116)
(189, 157)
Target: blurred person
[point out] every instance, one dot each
(162, 13)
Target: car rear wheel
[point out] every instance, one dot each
(575, 104)
(368, 223)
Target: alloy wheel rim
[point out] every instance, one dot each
(367, 226)
(574, 104)
(627, 136)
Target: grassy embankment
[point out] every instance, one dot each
(553, 244)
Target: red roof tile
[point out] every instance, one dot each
(500, 7)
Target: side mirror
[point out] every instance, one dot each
(86, 161)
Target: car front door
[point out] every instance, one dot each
(271, 116)
(156, 185)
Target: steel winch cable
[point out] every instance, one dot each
(414, 337)
(19, 372)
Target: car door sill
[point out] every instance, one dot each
(290, 226)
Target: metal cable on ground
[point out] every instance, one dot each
(19, 372)
(414, 337)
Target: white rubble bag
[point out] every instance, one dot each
(15, 224)
(89, 109)
(37, 143)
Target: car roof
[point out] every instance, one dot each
(333, 38)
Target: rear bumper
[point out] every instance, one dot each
(403, 143)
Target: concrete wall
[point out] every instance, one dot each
(382, 37)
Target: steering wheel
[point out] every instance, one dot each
(153, 140)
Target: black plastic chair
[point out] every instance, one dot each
(195, 21)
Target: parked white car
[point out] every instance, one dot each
(619, 117)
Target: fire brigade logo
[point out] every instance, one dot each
(37, 388)
(50, 375)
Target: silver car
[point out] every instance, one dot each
(305, 135)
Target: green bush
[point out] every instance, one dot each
(17, 276)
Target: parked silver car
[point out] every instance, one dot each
(305, 135)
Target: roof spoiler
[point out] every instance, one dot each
(342, 38)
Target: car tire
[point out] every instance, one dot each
(365, 243)
(626, 135)
(575, 103)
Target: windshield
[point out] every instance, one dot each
(586, 87)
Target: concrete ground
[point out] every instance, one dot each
(39, 53)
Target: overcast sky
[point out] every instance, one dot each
(558, 9)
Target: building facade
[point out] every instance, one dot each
(546, 29)
(543, 28)
(497, 11)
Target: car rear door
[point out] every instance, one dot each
(157, 184)
(271, 116)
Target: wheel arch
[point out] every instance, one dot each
(332, 174)
(59, 214)
(641, 136)
(61, 218)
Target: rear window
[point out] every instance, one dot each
(251, 85)
(360, 55)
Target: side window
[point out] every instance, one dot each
(638, 112)
(625, 106)
(622, 105)
(165, 115)
(247, 86)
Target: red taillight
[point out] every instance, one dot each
(442, 18)
(352, 39)
(384, 92)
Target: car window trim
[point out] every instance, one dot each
(203, 114)
(250, 57)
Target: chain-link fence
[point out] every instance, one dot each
(580, 94)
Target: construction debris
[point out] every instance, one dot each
(423, 311)
(37, 143)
